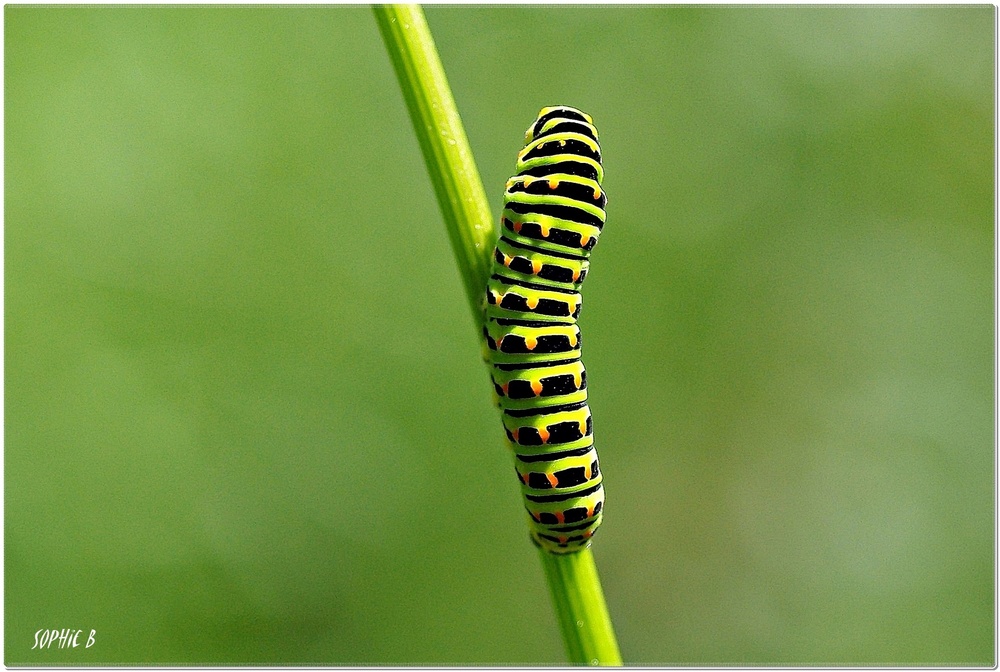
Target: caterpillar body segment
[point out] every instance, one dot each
(516, 342)
(554, 383)
(558, 144)
(542, 268)
(552, 117)
(553, 473)
(572, 164)
(523, 300)
(553, 214)
(548, 232)
(565, 190)
(565, 424)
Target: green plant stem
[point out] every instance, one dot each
(442, 138)
(576, 588)
(580, 607)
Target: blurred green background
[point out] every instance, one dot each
(246, 416)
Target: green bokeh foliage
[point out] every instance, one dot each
(246, 418)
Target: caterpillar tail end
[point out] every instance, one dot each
(556, 548)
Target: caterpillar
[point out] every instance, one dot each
(553, 213)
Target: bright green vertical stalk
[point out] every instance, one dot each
(583, 615)
(442, 139)
(576, 588)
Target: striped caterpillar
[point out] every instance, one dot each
(553, 213)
